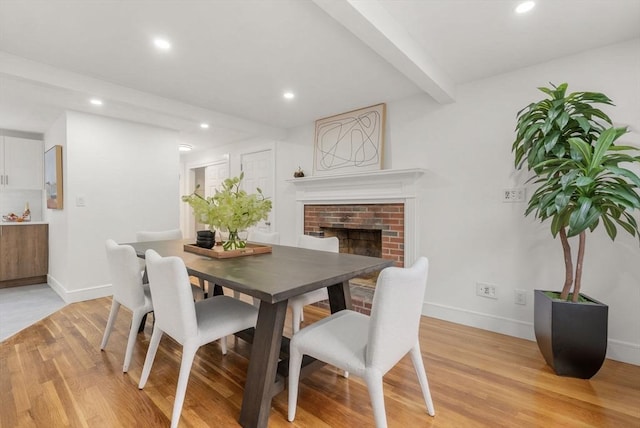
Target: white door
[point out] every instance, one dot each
(258, 173)
(214, 175)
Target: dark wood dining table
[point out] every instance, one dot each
(273, 278)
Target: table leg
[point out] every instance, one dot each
(339, 297)
(263, 364)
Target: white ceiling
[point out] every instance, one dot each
(231, 60)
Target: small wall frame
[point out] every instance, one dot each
(350, 142)
(53, 177)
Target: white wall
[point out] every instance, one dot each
(128, 175)
(468, 234)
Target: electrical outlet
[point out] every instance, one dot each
(515, 194)
(520, 297)
(80, 201)
(486, 290)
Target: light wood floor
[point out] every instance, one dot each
(54, 375)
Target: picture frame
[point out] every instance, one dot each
(53, 178)
(350, 142)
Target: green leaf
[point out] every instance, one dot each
(556, 225)
(583, 123)
(627, 226)
(568, 178)
(580, 149)
(611, 229)
(578, 217)
(558, 150)
(584, 181)
(625, 173)
(561, 201)
(580, 223)
(602, 145)
(562, 120)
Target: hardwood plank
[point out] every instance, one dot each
(54, 374)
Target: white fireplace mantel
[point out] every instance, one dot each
(384, 186)
(365, 187)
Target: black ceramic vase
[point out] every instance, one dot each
(206, 239)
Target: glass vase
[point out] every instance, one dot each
(234, 242)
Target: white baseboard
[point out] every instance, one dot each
(510, 327)
(626, 352)
(79, 295)
(618, 350)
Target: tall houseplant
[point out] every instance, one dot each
(584, 179)
(231, 209)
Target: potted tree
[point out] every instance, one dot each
(583, 181)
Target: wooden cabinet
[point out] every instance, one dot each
(24, 254)
(21, 163)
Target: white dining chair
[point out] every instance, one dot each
(191, 324)
(262, 237)
(129, 291)
(369, 346)
(159, 235)
(297, 303)
(199, 292)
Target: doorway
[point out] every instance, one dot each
(259, 173)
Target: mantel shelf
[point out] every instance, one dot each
(384, 175)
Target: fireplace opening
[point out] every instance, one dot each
(363, 242)
(375, 230)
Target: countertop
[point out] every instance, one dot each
(21, 223)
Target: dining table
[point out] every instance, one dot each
(273, 278)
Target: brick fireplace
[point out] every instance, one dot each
(387, 219)
(360, 208)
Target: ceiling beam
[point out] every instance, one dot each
(371, 23)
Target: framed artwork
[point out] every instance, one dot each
(53, 177)
(350, 142)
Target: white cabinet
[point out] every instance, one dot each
(21, 163)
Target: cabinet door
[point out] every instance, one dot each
(23, 163)
(24, 251)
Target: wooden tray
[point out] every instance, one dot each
(218, 252)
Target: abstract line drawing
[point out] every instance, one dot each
(350, 142)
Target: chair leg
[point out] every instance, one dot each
(236, 294)
(142, 323)
(416, 358)
(133, 332)
(295, 361)
(223, 345)
(188, 353)
(376, 394)
(151, 355)
(113, 314)
(296, 314)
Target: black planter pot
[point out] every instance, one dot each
(572, 337)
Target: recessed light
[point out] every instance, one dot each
(289, 95)
(525, 6)
(96, 101)
(162, 44)
(185, 147)
(204, 125)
